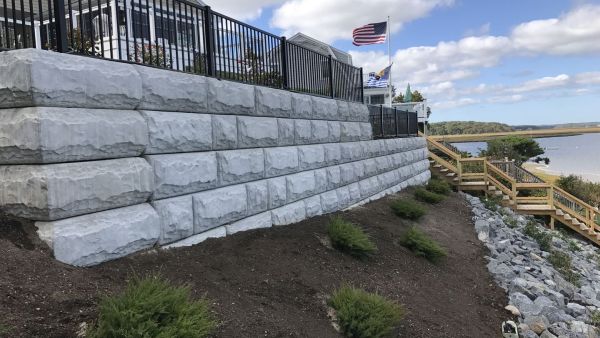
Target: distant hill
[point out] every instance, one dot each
(467, 127)
(558, 126)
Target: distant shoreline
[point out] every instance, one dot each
(540, 133)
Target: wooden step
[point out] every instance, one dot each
(437, 166)
(583, 227)
(474, 183)
(575, 221)
(598, 236)
(491, 187)
(456, 179)
(498, 193)
(534, 207)
(568, 217)
(431, 161)
(559, 212)
(444, 170)
(451, 174)
(505, 197)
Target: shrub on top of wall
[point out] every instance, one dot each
(427, 196)
(407, 208)
(349, 238)
(151, 307)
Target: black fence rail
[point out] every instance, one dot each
(177, 35)
(391, 122)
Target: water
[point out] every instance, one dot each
(579, 155)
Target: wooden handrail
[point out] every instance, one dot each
(444, 149)
(443, 162)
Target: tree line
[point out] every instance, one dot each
(467, 127)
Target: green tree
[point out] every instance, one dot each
(578, 187)
(398, 98)
(513, 147)
(417, 96)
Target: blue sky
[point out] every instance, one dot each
(517, 62)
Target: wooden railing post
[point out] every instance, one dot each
(550, 192)
(460, 169)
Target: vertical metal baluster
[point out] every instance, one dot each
(141, 30)
(118, 29)
(170, 34)
(188, 29)
(81, 46)
(127, 30)
(163, 33)
(156, 46)
(70, 9)
(31, 20)
(100, 24)
(153, 61)
(176, 14)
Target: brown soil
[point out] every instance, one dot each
(270, 282)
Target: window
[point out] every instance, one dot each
(377, 99)
(94, 23)
(141, 27)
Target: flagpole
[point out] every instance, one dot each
(389, 37)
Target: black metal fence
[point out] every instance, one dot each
(391, 122)
(177, 35)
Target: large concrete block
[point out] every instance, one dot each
(220, 206)
(333, 177)
(358, 112)
(179, 174)
(324, 109)
(256, 132)
(300, 185)
(333, 153)
(171, 132)
(359, 170)
(347, 174)
(302, 106)
(329, 201)
(343, 110)
(172, 91)
(273, 102)
(335, 131)
(311, 156)
(51, 135)
(320, 180)
(258, 197)
(176, 217)
(224, 132)
(227, 97)
(237, 166)
(366, 131)
(370, 167)
(199, 238)
(354, 192)
(289, 214)
(343, 196)
(262, 220)
(319, 131)
(350, 131)
(302, 131)
(95, 238)
(351, 151)
(54, 191)
(277, 192)
(383, 163)
(34, 77)
(286, 132)
(281, 161)
(313, 206)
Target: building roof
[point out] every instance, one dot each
(321, 47)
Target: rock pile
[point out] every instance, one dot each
(548, 299)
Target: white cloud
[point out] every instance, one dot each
(482, 30)
(588, 78)
(331, 20)
(241, 10)
(506, 98)
(542, 83)
(465, 101)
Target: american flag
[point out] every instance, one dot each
(370, 34)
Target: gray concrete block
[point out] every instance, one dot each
(34, 77)
(383, 163)
(324, 109)
(286, 135)
(319, 131)
(176, 218)
(258, 196)
(300, 185)
(311, 156)
(343, 110)
(172, 91)
(350, 131)
(277, 192)
(172, 132)
(393, 145)
(262, 220)
(302, 106)
(289, 214)
(320, 180)
(54, 191)
(313, 206)
(354, 192)
(333, 153)
(99, 237)
(359, 170)
(329, 201)
(273, 102)
(238, 166)
(302, 132)
(370, 166)
(51, 135)
(347, 174)
(335, 131)
(218, 207)
(224, 132)
(343, 196)
(281, 161)
(358, 112)
(366, 131)
(199, 238)
(179, 174)
(227, 97)
(254, 132)
(350, 151)
(333, 177)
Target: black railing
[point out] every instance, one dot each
(391, 122)
(177, 35)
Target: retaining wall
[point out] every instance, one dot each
(111, 158)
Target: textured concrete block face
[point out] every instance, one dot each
(358, 112)
(383, 164)
(302, 106)
(343, 110)
(302, 132)
(333, 177)
(300, 185)
(351, 151)
(172, 91)
(325, 109)
(176, 218)
(281, 161)
(311, 157)
(286, 132)
(262, 220)
(350, 131)
(370, 167)
(51, 135)
(224, 132)
(335, 131)
(179, 174)
(333, 153)
(354, 192)
(329, 201)
(218, 207)
(92, 239)
(319, 131)
(313, 206)
(366, 131)
(55, 191)
(258, 197)
(273, 102)
(289, 214)
(33, 77)
(256, 132)
(347, 174)
(237, 166)
(359, 170)
(171, 132)
(226, 97)
(199, 238)
(277, 192)
(343, 196)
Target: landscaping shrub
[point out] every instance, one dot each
(422, 245)
(428, 196)
(151, 307)
(544, 239)
(407, 208)
(562, 263)
(349, 238)
(595, 318)
(361, 314)
(491, 203)
(439, 187)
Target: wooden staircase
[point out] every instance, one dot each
(515, 188)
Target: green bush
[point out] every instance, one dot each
(422, 245)
(428, 196)
(151, 307)
(562, 263)
(595, 318)
(349, 238)
(544, 239)
(439, 187)
(361, 314)
(407, 208)
(491, 202)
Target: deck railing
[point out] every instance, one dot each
(177, 35)
(392, 122)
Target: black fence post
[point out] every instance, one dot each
(330, 63)
(61, 26)
(362, 88)
(210, 42)
(284, 63)
(396, 120)
(382, 130)
(407, 123)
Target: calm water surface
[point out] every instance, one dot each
(579, 155)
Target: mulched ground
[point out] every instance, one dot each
(269, 282)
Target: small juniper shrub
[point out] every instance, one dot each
(428, 196)
(544, 239)
(361, 314)
(407, 208)
(350, 238)
(595, 318)
(491, 202)
(511, 222)
(439, 187)
(571, 243)
(422, 245)
(561, 261)
(4, 330)
(151, 307)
